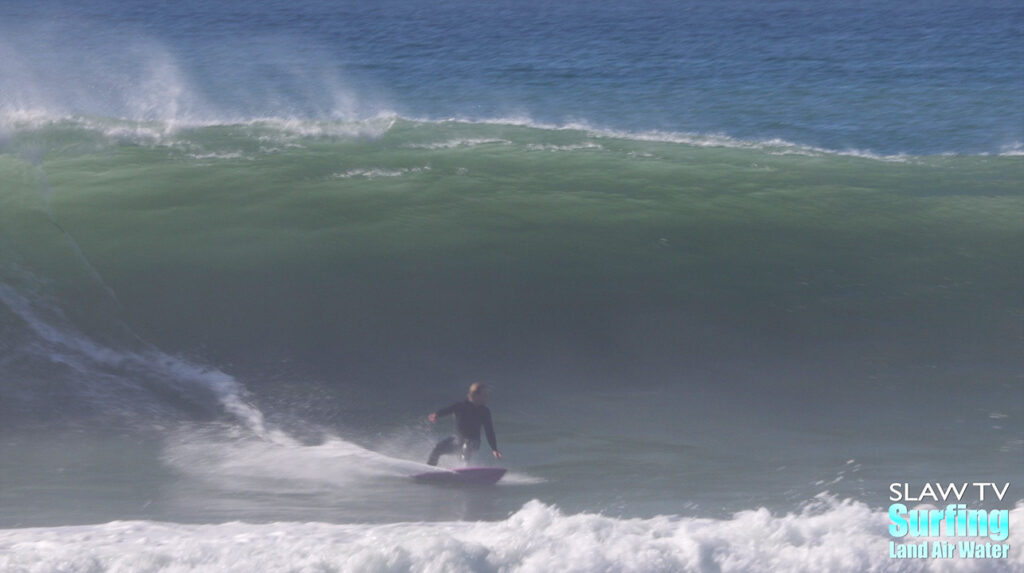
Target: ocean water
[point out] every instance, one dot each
(730, 269)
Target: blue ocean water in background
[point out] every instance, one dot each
(888, 78)
(730, 269)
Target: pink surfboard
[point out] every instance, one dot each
(485, 476)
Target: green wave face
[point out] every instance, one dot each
(394, 245)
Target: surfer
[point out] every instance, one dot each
(470, 415)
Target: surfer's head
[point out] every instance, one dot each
(477, 393)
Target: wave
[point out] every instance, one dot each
(130, 378)
(827, 535)
(232, 64)
(233, 234)
(172, 131)
(772, 146)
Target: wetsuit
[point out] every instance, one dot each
(469, 418)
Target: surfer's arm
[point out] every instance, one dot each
(442, 412)
(489, 430)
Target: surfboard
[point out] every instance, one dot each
(481, 476)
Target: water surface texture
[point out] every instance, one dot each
(730, 269)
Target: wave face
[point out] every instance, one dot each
(337, 278)
(386, 247)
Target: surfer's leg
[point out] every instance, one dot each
(445, 446)
(469, 447)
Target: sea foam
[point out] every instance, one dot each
(827, 535)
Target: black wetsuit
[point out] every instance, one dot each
(469, 418)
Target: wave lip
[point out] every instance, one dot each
(455, 132)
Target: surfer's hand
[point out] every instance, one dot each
(497, 454)
(432, 417)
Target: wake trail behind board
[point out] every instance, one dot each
(482, 476)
